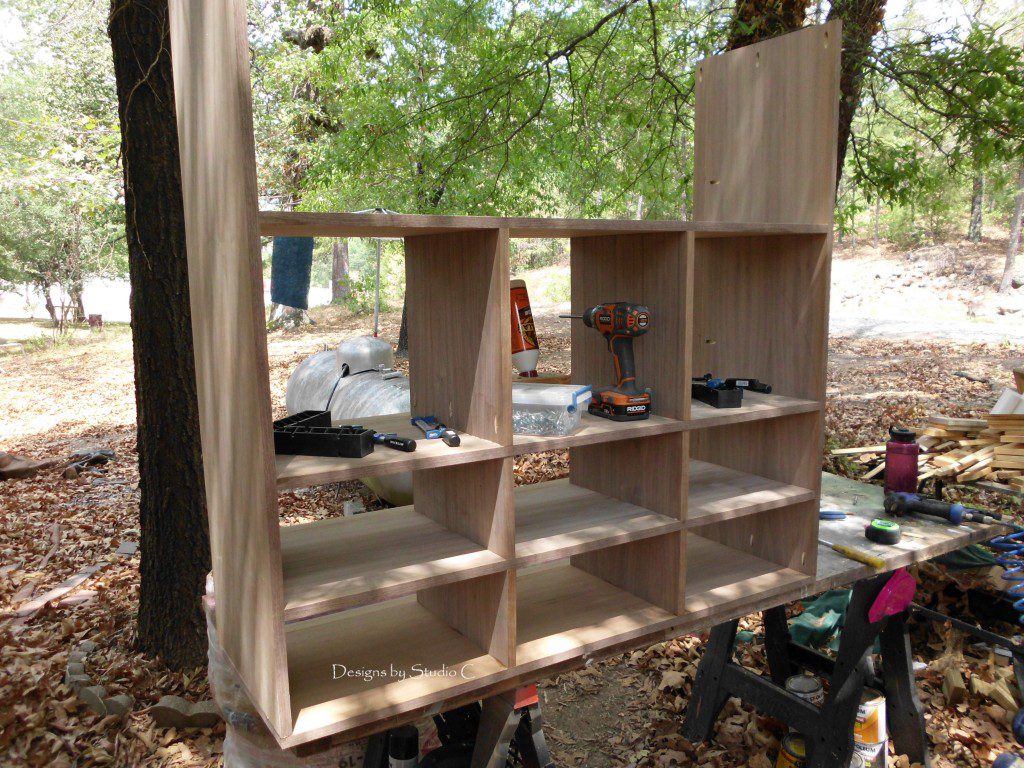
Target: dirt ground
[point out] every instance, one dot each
(618, 713)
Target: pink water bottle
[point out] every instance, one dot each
(901, 460)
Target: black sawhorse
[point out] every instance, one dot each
(828, 729)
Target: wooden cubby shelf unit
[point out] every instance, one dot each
(349, 625)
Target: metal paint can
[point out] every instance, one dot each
(807, 687)
(871, 755)
(870, 726)
(793, 753)
(857, 761)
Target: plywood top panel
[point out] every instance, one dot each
(295, 224)
(218, 175)
(756, 406)
(765, 130)
(594, 429)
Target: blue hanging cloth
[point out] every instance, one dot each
(290, 267)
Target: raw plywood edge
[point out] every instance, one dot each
(218, 174)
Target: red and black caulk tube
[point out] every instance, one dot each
(525, 349)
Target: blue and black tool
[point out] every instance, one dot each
(899, 503)
(392, 440)
(433, 429)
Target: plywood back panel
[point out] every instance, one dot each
(765, 130)
(459, 332)
(760, 309)
(218, 173)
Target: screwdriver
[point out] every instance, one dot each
(855, 554)
(392, 440)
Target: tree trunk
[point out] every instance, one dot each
(77, 304)
(878, 215)
(756, 20)
(339, 270)
(862, 20)
(175, 545)
(1014, 244)
(51, 310)
(403, 331)
(977, 208)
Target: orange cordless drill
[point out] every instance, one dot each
(620, 322)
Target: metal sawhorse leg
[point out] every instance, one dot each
(828, 730)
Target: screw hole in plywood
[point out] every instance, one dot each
(757, 59)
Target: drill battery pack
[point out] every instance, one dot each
(620, 406)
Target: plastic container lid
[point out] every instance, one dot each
(902, 435)
(568, 396)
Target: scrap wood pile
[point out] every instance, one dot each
(964, 450)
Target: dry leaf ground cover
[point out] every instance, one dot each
(617, 713)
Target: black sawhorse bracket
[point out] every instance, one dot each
(828, 729)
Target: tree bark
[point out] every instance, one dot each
(403, 331)
(977, 208)
(756, 20)
(1014, 244)
(175, 546)
(339, 269)
(862, 20)
(878, 215)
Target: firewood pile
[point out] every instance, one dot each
(964, 450)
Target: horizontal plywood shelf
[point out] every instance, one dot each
(719, 493)
(755, 406)
(346, 670)
(594, 429)
(718, 577)
(557, 519)
(304, 471)
(336, 564)
(564, 612)
(299, 224)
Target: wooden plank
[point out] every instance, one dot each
(484, 610)
(755, 407)
(565, 612)
(765, 131)
(557, 519)
(594, 429)
(954, 423)
(717, 575)
(464, 356)
(341, 563)
(651, 569)
(305, 471)
(719, 493)
(304, 224)
(218, 175)
(360, 666)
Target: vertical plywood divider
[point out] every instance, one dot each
(765, 130)
(655, 270)
(218, 175)
(461, 372)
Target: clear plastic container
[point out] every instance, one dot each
(548, 409)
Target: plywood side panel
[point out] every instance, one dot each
(761, 310)
(218, 174)
(484, 610)
(459, 333)
(651, 569)
(788, 536)
(473, 500)
(765, 130)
